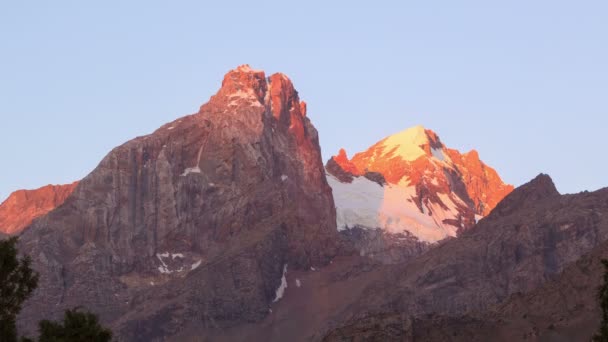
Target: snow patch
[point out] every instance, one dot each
(298, 283)
(163, 268)
(392, 208)
(196, 265)
(170, 128)
(478, 218)
(284, 178)
(190, 170)
(281, 290)
(177, 255)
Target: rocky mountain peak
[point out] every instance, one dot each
(211, 209)
(341, 159)
(244, 82)
(245, 89)
(536, 190)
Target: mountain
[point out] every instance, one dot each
(196, 222)
(23, 206)
(411, 183)
(224, 225)
(526, 271)
(521, 263)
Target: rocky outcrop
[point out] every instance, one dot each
(387, 248)
(482, 183)
(563, 309)
(196, 222)
(24, 206)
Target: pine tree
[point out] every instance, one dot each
(602, 334)
(17, 282)
(77, 326)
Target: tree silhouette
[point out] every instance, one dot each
(17, 282)
(602, 334)
(76, 326)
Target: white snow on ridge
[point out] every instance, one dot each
(369, 205)
(281, 290)
(406, 144)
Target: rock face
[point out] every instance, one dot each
(531, 244)
(196, 222)
(24, 206)
(563, 309)
(429, 191)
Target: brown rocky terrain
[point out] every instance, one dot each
(24, 206)
(197, 221)
(563, 309)
(528, 271)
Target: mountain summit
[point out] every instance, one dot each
(431, 191)
(210, 210)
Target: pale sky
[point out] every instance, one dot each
(523, 82)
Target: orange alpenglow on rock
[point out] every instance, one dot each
(432, 191)
(23, 206)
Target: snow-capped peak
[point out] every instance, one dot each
(406, 144)
(430, 191)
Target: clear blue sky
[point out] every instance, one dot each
(523, 82)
